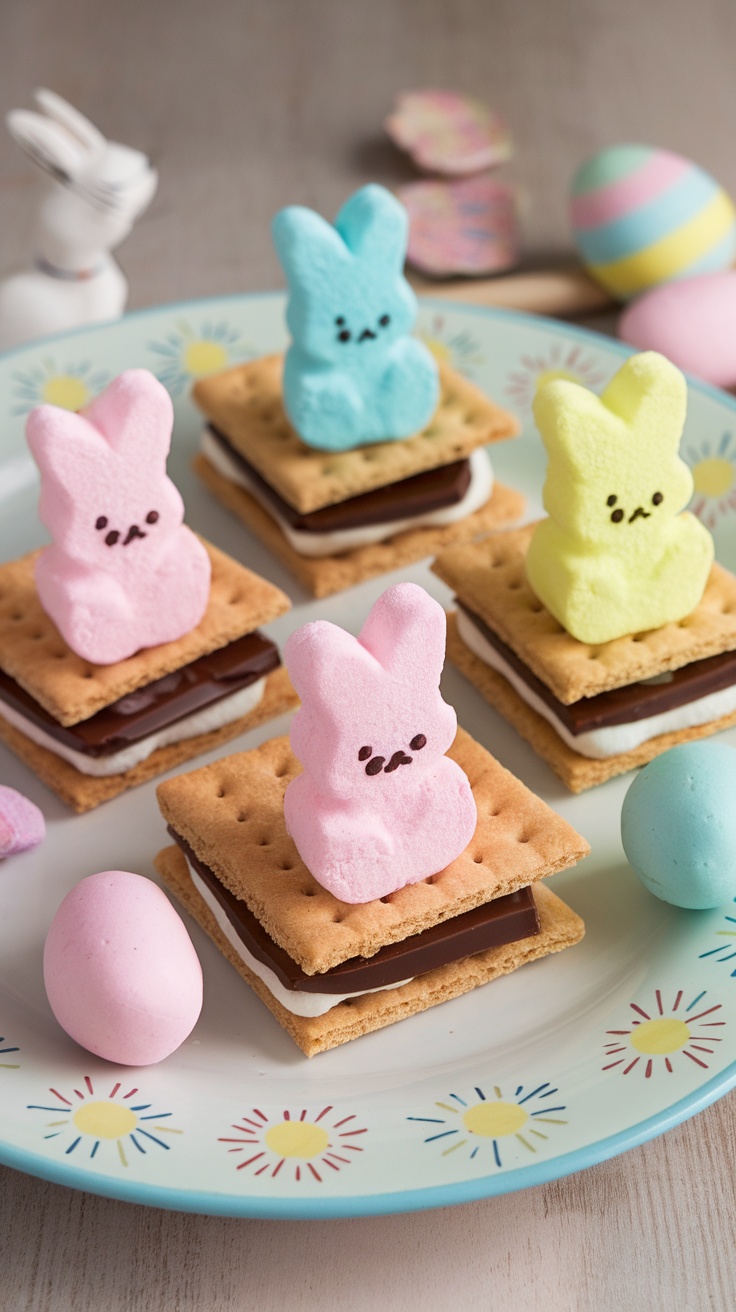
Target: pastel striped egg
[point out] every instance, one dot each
(642, 217)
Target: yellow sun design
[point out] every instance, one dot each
(91, 1119)
(459, 349)
(495, 1118)
(560, 361)
(663, 1035)
(71, 386)
(714, 475)
(307, 1143)
(188, 353)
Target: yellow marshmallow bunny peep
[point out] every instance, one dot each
(616, 556)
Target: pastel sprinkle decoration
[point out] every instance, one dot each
(22, 825)
(616, 556)
(378, 804)
(448, 133)
(122, 572)
(467, 227)
(352, 374)
(642, 217)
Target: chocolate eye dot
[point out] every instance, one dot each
(344, 336)
(657, 499)
(611, 501)
(418, 742)
(364, 753)
(112, 537)
(101, 522)
(384, 320)
(152, 517)
(617, 516)
(340, 321)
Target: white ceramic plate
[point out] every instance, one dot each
(574, 1058)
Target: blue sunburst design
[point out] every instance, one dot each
(91, 1119)
(6, 1050)
(71, 386)
(187, 353)
(488, 1120)
(724, 952)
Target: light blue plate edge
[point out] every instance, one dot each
(410, 1200)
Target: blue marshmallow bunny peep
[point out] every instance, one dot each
(353, 374)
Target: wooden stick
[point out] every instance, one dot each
(559, 292)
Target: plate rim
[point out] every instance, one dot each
(510, 1180)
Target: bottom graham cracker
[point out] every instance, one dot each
(325, 575)
(83, 792)
(577, 772)
(560, 928)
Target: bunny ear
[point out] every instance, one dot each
(47, 143)
(135, 416)
(375, 226)
(320, 657)
(70, 118)
(65, 447)
(650, 394)
(406, 633)
(308, 247)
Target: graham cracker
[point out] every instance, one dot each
(245, 403)
(33, 652)
(83, 792)
(325, 575)
(577, 772)
(231, 814)
(560, 929)
(489, 577)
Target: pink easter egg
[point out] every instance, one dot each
(468, 227)
(121, 973)
(692, 322)
(448, 133)
(22, 825)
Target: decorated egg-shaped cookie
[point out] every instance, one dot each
(642, 216)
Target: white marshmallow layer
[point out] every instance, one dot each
(329, 544)
(600, 744)
(210, 717)
(298, 1003)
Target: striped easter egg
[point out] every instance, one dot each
(642, 217)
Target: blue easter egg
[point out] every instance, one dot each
(642, 217)
(678, 825)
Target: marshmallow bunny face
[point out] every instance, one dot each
(373, 720)
(106, 498)
(349, 300)
(122, 572)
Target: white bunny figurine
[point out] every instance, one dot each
(99, 189)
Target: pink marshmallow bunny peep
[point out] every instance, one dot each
(378, 804)
(122, 572)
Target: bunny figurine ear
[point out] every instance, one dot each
(70, 118)
(49, 144)
(375, 227)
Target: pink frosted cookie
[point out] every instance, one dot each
(378, 804)
(122, 572)
(121, 973)
(22, 825)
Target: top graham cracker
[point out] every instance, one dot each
(33, 652)
(245, 403)
(231, 814)
(489, 577)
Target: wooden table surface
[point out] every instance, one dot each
(247, 105)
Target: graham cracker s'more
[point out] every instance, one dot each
(618, 640)
(385, 876)
(356, 453)
(128, 645)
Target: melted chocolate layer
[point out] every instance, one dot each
(637, 701)
(158, 704)
(419, 495)
(505, 920)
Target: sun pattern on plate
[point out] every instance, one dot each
(70, 386)
(296, 1140)
(90, 1119)
(571, 363)
(713, 466)
(661, 1032)
(490, 1116)
(187, 353)
(724, 951)
(7, 1051)
(458, 348)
